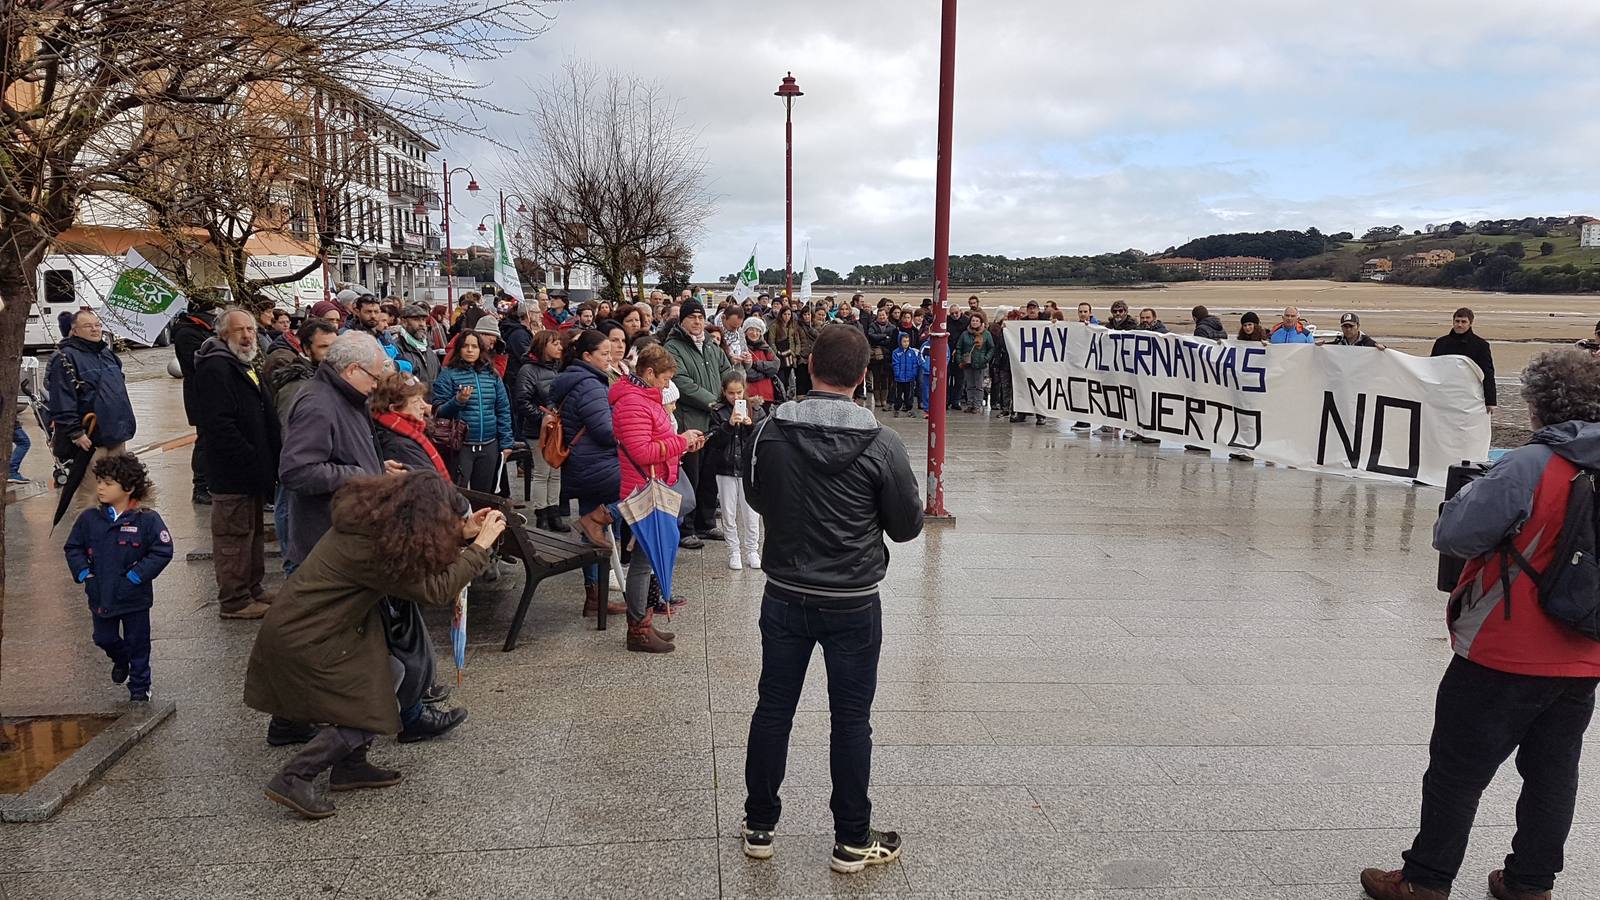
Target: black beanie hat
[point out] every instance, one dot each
(1250, 318)
(690, 307)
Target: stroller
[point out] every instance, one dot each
(33, 395)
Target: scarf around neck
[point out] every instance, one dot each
(410, 427)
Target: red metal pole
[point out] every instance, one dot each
(449, 264)
(788, 197)
(940, 334)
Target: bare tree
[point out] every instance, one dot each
(609, 156)
(81, 81)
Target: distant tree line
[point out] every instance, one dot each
(1274, 245)
(1127, 267)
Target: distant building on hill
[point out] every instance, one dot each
(1223, 268)
(1377, 268)
(1238, 268)
(1589, 234)
(1433, 259)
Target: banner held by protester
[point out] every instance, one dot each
(1348, 410)
(142, 301)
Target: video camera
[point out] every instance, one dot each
(1456, 478)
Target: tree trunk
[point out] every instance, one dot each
(18, 269)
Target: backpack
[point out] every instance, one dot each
(1570, 589)
(550, 446)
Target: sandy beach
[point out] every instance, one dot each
(1405, 318)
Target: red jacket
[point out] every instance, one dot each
(645, 433)
(1529, 487)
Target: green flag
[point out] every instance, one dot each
(745, 286)
(142, 302)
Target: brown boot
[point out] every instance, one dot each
(591, 602)
(642, 637)
(596, 526)
(1502, 891)
(664, 635)
(1381, 885)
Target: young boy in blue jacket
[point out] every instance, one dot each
(115, 551)
(907, 365)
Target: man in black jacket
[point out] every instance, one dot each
(236, 416)
(831, 483)
(189, 330)
(1461, 341)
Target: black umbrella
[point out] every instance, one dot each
(75, 472)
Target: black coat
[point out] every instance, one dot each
(189, 331)
(531, 392)
(402, 449)
(85, 378)
(1474, 348)
(726, 442)
(236, 417)
(591, 471)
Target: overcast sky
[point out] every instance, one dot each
(1084, 127)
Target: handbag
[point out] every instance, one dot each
(447, 435)
(407, 636)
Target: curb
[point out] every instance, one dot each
(75, 773)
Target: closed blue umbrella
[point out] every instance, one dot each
(652, 512)
(458, 633)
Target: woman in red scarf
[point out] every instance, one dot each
(399, 410)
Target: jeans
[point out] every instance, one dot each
(237, 549)
(1000, 389)
(1481, 716)
(926, 382)
(280, 526)
(972, 387)
(19, 448)
(126, 639)
(636, 592)
(850, 631)
(477, 465)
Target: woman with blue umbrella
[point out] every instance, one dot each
(649, 449)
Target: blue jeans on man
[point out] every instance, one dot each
(19, 449)
(850, 631)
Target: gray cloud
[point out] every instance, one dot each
(1091, 127)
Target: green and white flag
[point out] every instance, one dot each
(744, 287)
(506, 279)
(142, 301)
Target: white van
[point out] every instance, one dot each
(68, 283)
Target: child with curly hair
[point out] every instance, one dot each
(115, 551)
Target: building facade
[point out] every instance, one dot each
(1589, 234)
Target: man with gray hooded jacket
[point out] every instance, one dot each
(831, 483)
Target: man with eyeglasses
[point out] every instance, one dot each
(85, 376)
(328, 439)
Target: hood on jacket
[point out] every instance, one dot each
(79, 343)
(1577, 442)
(569, 378)
(834, 432)
(215, 346)
(1214, 322)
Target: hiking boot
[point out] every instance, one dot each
(880, 847)
(642, 637)
(251, 610)
(119, 672)
(283, 732)
(299, 795)
(757, 841)
(1499, 890)
(432, 723)
(591, 603)
(1381, 885)
(595, 526)
(355, 772)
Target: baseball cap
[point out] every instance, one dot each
(1349, 319)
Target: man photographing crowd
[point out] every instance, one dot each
(833, 483)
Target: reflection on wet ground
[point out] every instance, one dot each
(36, 746)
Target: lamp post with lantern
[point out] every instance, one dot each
(444, 225)
(788, 90)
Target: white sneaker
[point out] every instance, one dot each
(753, 559)
(733, 563)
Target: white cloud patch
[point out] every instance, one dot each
(1082, 128)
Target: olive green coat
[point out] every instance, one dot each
(321, 655)
(699, 378)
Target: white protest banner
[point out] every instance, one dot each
(808, 277)
(142, 301)
(1348, 410)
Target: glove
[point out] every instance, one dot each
(83, 576)
(134, 577)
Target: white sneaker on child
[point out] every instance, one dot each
(753, 559)
(733, 563)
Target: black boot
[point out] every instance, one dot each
(355, 772)
(299, 795)
(557, 523)
(283, 732)
(432, 723)
(541, 519)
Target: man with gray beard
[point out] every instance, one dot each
(238, 426)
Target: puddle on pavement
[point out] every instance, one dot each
(36, 746)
